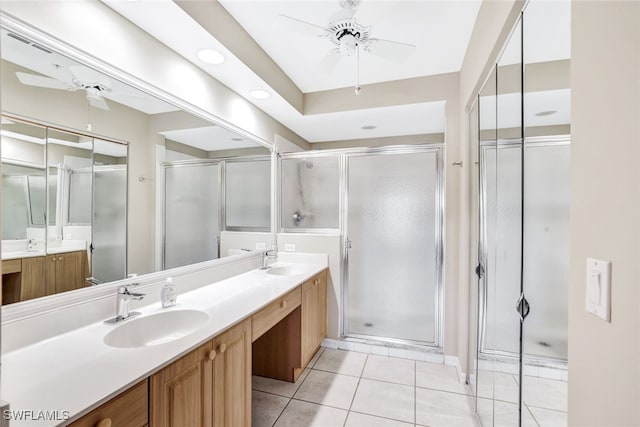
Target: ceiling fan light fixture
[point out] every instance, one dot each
(260, 94)
(210, 56)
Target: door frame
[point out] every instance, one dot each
(438, 149)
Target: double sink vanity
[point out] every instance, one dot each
(186, 365)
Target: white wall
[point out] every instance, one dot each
(322, 244)
(604, 358)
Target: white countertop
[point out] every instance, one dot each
(61, 247)
(77, 371)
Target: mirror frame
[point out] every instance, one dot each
(21, 310)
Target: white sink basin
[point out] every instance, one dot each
(286, 270)
(156, 329)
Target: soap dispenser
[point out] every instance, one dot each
(168, 295)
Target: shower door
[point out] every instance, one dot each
(109, 223)
(393, 246)
(191, 214)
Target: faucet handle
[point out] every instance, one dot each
(126, 290)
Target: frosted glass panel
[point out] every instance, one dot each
(248, 194)
(15, 213)
(109, 257)
(37, 199)
(80, 198)
(392, 215)
(191, 214)
(310, 192)
(504, 234)
(546, 252)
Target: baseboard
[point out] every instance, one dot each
(454, 361)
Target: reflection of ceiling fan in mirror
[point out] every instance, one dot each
(96, 86)
(349, 38)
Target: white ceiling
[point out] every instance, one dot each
(508, 109)
(440, 30)
(547, 34)
(209, 138)
(186, 37)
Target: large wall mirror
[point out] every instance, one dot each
(101, 181)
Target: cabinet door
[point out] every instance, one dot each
(69, 271)
(181, 393)
(129, 409)
(314, 315)
(33, 278)
(309, 320)
(51, 279)
(232, 377)
(322, 306)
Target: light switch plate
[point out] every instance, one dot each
(261, 246)
(598, 298)
(289, 247)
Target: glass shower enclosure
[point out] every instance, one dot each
(387, 206)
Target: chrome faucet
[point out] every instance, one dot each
(266, 256)
(124, 295)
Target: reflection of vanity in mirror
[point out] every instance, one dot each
(126, 183)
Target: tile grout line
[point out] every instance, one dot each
(531, 413)
(415, 393)
(290, 398)
(366, 359)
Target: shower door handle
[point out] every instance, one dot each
(480, 271)
(522, 307)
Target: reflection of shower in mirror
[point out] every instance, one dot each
(300, 214)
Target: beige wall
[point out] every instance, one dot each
(604, 358)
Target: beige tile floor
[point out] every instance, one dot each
(351, 389)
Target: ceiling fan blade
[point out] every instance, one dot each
(98, 102)
(300, 26)
(389, 50)
(89, 77)
(42, 81)
(330, 61)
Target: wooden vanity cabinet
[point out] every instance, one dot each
(129, 409)
(66, 271)
(32, 283)
(211, 386)
(181, 393)
(314, 315)
(232, 377)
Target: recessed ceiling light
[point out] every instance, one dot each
(368, 127)
(546, 113)
(260, 94)
(210, 56)
(236, 139)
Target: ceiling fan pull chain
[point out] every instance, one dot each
(358, 88)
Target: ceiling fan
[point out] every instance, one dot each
(96, 86)
(349, 38)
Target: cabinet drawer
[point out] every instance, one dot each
(264, 320)
(11, 266)
(129, 409)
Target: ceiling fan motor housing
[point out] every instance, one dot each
(347, 34)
